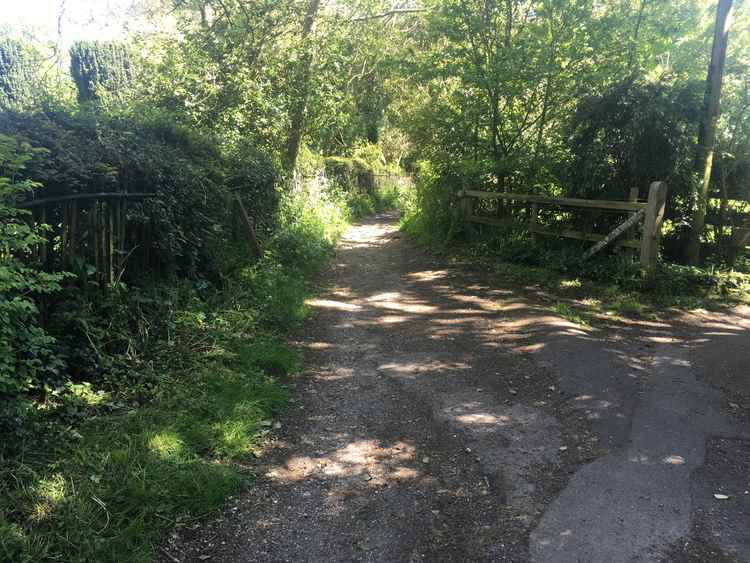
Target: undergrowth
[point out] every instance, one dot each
(612, 283)
(110, 463)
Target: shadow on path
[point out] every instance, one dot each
(440, 418)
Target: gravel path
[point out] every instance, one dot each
(441, 418)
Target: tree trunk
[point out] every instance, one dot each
(299, 103)
(707, 133)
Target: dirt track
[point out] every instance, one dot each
(440, 418)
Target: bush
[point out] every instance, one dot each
(28, 363)
(350, 172)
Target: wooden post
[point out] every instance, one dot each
(657, 198)
(467, 207)
(633, 233)
(252, 238)
(533, 219)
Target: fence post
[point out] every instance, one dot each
(533, 218)
(466, 205)
(633, 233)
(657, 198)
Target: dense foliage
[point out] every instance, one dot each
(17, 73)
(28, 364)
(98, 67)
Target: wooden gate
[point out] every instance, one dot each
(650, 214)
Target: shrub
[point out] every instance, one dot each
(28, 363)
(350, 172)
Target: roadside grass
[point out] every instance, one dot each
(572, 314)
(111, 465)
(107, 490)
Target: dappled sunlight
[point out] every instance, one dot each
(375, 463)
(427, 275)
(318, 345)
(396, 301)
(422, 366)
(48, 493)
(643, 458)
(336, 373)
(480, 302)
(331, 304)
(482, 418)
(166, 445)
(395, 319)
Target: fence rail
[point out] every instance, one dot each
(649, 213)
(83, 197)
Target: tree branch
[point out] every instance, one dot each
(388, 14)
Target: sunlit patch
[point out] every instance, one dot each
(84, 392)
(639, 458)
(674, 460)
(357, 459)
(343, 292)
(394, 319)
(166, 444)
(583, 398)
(319, 345)
(338, 373)
(482, 418)
(49, 493)
(403, 473)
(428, 275)
(567, 532)
(482, 303)
(357, 452)
(420, 367)
(531, 347)
(331, 304)
(395, 301)
(661, 339)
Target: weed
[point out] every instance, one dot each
(571, 314)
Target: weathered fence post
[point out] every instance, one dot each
(466, 205)
(657, 198)
(533, 219)
(633, 233)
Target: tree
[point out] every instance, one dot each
(707, 136)
(17, 74)
(300, 88)
(98, 67)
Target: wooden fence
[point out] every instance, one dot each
(92, 226)
(649, 214)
